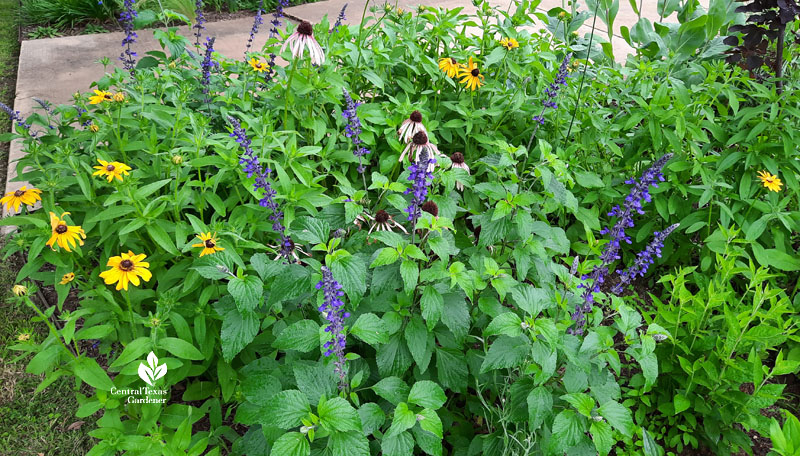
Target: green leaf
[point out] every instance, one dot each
(339, 415)
(393, 389)
(110, 213)
(618, 416)
(180, 348)
(409, 271)
(315, 379)
(602, 437)
(582, 402)
(455, 314)
(397, 445)
(92, 374)
(286, 409)
(506, 352)
(259, 389)
(430, 421)
(420, 342)
(351, 272)
(133, 351)
(160, 237)
(372, 417)
(302, 336)
(393, 358)
(22, 220)
(370, 329)
(432, 305)
(147, 190)
(373, 77)
(567, 428)
(507, 323)
(246, 291)
(531, 299)
(291, 444)
(427, 394)
(540, 405)
(238, 330)
(386, 255)
(681, 403)
(404, 419)
(311, 229)
(351, 443)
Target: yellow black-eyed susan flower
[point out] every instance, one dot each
(471, 76)
(770, 181)
(67, 278)
(110, 170)
(509, 43)
(209, 244)
(450, 66)
(258, 65)
(100, 96)
(125, 269)
(66, 236)
(24, 195)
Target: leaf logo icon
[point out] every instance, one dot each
(152, 371)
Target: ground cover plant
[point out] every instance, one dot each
(418, 240)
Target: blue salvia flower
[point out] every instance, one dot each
(421, 176)
(206, 66)
(48, 108)
(128, 57)
(199, 22)
(332, 309)
(15, 116)
(644, 259)
(633, 203)
(339, 19)
(273, 33)
(252, 166)
(353, 128)
(551, 92)
(257, 21)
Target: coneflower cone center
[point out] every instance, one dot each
(458, 158)
(381, 217)
(415, 117)
(420, 138)
(126, 265)
(431, 208)
(61, 229)
(19, 193)
(475, 72)
(210, 244)
(305, 28)
(110, 168)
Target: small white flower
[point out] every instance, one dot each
(302, 38)
(411, 126)
(458, 162)
(382, 221)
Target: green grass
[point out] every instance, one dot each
(30, 424)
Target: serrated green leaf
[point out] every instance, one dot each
(339, 415)
(370, 329)
(302, 336)
(286, 409)
(427, 394)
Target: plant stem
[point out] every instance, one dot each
(130, 312)
(286, 95)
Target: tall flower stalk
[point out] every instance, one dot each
(332, 309)
(206, 66)
(611, 251)
(273, 33)
(339, 19)
(252, 166)
(551, 92)
(257, 21)
(421, 176)
(15, 116)
(199, 22)
(644, 259)
(352, 130)
(128, 56)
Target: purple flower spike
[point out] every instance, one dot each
(257, 21)
(273, 33)
(332, 309)
(552, 90)
(353, 128)
(128, 57)
(251, 165)
(15, 116)
(206, 66)
(199, 22)
(644, 259)
(421, 178)
(633, 202)
(339, 19)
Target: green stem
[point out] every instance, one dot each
(286, 95)
(49, 325)
(130, 313)
(360, 30)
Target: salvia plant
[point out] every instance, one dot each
(365, 252)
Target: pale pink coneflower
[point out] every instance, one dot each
(302, 38)
(458, 162)
(411, 126)
(419, 142)
(382, 221)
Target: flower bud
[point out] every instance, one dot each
(177, 159)
(20, 290)
(562, 15)
(119, 97)
(94, 128)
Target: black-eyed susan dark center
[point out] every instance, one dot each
(126, 265)
(305, 28)
(381, 217)
(475, 72)
(420, 138)
(415, 117)
(110, 167)
(210, 244)
(61, 228)
(19, 193)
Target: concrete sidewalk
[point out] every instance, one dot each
(54, 69)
